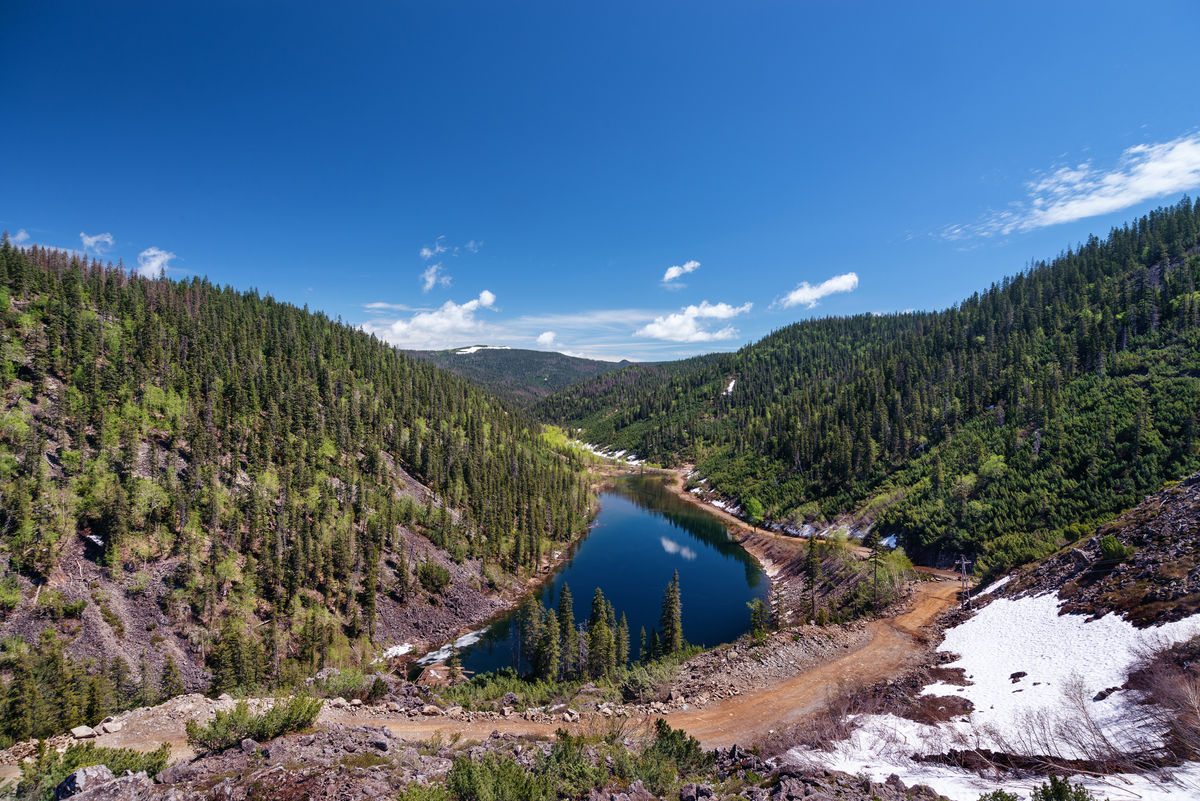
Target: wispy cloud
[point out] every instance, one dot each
(153, 262)
(20, 238)
(96, 244)
(438, 247)
(671, 277)
(450, 325)
(434, 276)
(685, 325)
(380, 306)
(1071, 193)
(805, 294)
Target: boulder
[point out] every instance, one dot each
(249, 746)
(355, 702)
(224, 697)
(430, 709)
(338, 703)
(83, 779)
(83, 732)
(112, 727)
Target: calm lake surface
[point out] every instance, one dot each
(642, 535)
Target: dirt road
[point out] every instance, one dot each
(896, 644)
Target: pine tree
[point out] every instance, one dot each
(671, 619)
(623, 641)
(568, 637)
(170, 683)
(546, 660)
(812, 571)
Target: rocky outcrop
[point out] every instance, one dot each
(1158, 582)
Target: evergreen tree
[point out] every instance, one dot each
(568, 637)
(546, 660)
(671, 619)
(170, 682)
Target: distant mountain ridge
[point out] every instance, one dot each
(516, 375)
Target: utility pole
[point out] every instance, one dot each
(962, 564)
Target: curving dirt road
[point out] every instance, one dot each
(896, 645)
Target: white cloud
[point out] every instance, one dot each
(472, 246)
(428, 252)
(450, 325)
(381, 306)
(21, 237)
(1071, 193)
(433, 276)
(679, 271)
(153, 262)
(808, 295)
(98, 243)
(684, 325)
(546, 339)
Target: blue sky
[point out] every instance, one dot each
(529, 174)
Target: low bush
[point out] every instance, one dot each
(1111, 550)
(230, 728)
(1061, 790)
(48, 768)
(496, 778)
(433, 577)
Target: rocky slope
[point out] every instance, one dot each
(1156, 580)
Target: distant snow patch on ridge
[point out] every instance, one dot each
(729, 389)
(622, 455)
(474, 348)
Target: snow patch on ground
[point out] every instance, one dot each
(729, 389)
(890, 541)
(474, 348)
(622, 455)
(1066, 660)
(882, 746)
(995, 585)
(443, 653)
(397, 650)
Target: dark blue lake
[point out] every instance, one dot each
(642, 535)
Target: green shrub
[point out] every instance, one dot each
(1061, 790)
(343, 684)
(496, 778)
(677, 748)
(1113, 551)
(423, 792)
(433, 577)
(10, 594)
(999, 795)
(230, 728)
(48, 768)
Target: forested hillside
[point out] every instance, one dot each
(516, 375)
(191, 472)
(1059, 397)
